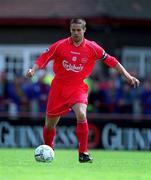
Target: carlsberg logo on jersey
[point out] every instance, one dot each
(72, 67)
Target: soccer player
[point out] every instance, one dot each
(73, 61)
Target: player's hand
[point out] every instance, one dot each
(133, 81)
(30, 73)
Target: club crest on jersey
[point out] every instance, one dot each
(74, 58)
(72, 67)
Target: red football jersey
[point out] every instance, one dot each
(72, 64)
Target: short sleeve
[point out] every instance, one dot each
(103, 56)
(98, 50)
(48, 55)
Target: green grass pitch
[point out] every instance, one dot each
(19, 164)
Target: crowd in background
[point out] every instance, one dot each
(107, 94)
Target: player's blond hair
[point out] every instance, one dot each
(78, 21)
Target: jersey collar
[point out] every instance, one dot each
(81, 44)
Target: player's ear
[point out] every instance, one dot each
(70, 30)
(84, 29)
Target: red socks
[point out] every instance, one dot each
(48, 136)
(82, 132)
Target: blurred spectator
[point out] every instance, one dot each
(112, 93)
(17, 97)
(3, 95)
(43, 95)
(116, 78)
(98, 100)
(109, 95)
(145, 97)
(125, 99)
(37, 92)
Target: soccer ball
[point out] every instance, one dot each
(44, 153)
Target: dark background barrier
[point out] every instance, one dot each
(106, 132)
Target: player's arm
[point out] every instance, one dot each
(130, 79)
(30, 73)
(42, 61)
(113, 63)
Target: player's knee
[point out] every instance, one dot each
(49, 124)
(81, 114)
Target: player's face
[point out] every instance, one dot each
(77, 32)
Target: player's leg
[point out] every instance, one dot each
(82, 126)
(82, 131)
(49, 130)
